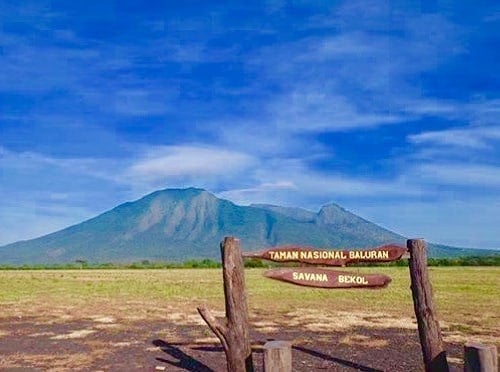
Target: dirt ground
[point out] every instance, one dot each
(347, 342)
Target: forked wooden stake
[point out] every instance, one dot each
(428, 325)
(233, 331)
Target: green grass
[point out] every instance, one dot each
(464, 295)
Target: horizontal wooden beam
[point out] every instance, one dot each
(325, 278)
(315, 256)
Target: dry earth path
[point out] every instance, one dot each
(181, 342)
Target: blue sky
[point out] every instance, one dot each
(390, 109)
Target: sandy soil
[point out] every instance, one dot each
(182, 342)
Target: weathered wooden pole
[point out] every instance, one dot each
(233, 331)
(480, 358)
(423, 303)
(278, 356)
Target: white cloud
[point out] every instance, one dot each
(33, 162)
(422, 106)
(458, 174)
(135, 101)
(486, 112)
(473, 137)
(145, 168)
(315, 111)
(478, 113)
(188, 161)
(26, 220)
(267, 192)
(292, 182)
(361, 71)
(353, 78)
(466, 222)
(42, 194)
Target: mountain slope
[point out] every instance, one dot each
(177, 224)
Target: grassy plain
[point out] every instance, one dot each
(468, 298)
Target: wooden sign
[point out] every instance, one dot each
(385, 253)
(324, 278)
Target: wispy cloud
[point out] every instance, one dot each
(286, 181)
(42, 194)
(473, 137)
(188, 161)
(31, 163)
(457, 221)
(357, 79)
(460, 174)
(354, 101)
(27, 220)
(319, 112)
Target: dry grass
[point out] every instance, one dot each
(467, 298)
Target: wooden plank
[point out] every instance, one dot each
(480, 358)
(325, 278)
(315, 256)
(233, 332)
(429, 331)
(277, 356)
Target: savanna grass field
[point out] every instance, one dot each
(147, 319)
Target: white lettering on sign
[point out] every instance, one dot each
(352, 279)
(312, 277)
(369, 255)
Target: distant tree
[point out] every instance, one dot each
(81, 262)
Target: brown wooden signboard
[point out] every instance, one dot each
(385, 253)
(325, 278)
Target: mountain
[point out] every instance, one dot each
(178, 224)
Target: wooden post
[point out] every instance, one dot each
(480, 358)
(277, 356)
(423, 303)
(233, 331)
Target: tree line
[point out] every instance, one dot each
(207, 263)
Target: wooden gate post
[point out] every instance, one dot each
(423, 303)
(278, 356)
(233, 332)
(480, 358)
